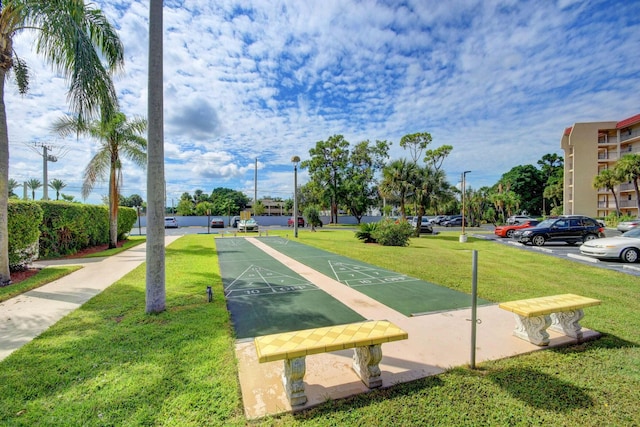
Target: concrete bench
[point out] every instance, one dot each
(292, 347)
(560, 312)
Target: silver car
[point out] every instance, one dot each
(625, 247)
(628, 225)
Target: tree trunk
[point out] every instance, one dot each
(113, 203)
(5, 275)
(155, 282)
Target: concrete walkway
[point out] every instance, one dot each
(26, 316)
(437, 342)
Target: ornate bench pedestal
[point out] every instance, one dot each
(293, 380)
(365, 363)
(532, 329)
(568, 323)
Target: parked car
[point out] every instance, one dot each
(628, 225)
(517, 219)
(456, 222)
(170, 222)
(217, 222)
(438, 219)
(509, 230)
(234, 221)
(570, 229)
(425, 224)
(300, 222)
(625, 247)
(248, 225)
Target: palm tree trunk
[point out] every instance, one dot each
(113, 205)
(5, 275)
(155, 284)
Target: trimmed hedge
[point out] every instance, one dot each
(70, 227)
(23, 221)
(59, 228)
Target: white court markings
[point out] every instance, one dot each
(257, 281)
(354, 275)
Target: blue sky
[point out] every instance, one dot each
(267, 79)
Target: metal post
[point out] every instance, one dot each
(474, 306)
(139, 226)
(295, 160)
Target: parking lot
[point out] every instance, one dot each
(560, 249)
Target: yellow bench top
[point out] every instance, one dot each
(289, 345)
(546, 305)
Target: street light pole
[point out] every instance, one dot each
(463, 237)
(295, 160)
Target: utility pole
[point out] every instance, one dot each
(46, 157)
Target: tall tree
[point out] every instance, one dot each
(628, 169)
(365, 161)
(416, 143)
(58, 185)
(75, 38)
(118, 138)
(327, 165)
(552, 174)
(33, 184)
(155, 291)
(608, 179)
(528, 183)
(398, 181)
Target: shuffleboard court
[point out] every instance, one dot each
(265, 297)
(408, 295)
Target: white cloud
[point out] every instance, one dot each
(498, 80)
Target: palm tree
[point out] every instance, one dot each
(608, 179)
(628, 169)
(75, 38)
(117, 137)
(57, 185)
(397, 180)
(34, 184)
(12, 185)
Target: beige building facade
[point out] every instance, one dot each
(590, 148)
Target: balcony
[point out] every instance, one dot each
(607, 156)
(628, 203)
(627, 186)
(629, 134)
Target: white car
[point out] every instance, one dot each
(248, 225)
(170, 222)
(625, 247)
(628, 225)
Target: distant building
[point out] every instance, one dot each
(271, 207)
(590, 148)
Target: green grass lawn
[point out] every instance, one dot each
(108, 363)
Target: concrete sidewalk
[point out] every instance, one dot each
(26, 316)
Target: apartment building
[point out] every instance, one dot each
(590, 148)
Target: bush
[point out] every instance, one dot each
(312, 215)
(24, 219)
(393, 233)
(365, 232)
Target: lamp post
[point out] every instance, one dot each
(295, 160)
(463, 237)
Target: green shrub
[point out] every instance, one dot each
(393, 233)
(70, 227)
(24, 219)
(365, 232)
(312, 215)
